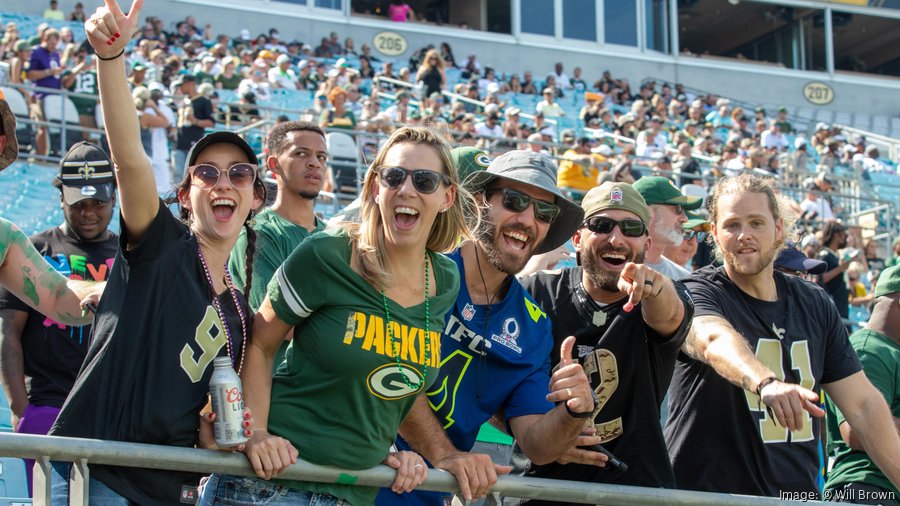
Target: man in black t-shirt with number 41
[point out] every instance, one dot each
(744, 401)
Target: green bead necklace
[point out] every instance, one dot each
(396, 347)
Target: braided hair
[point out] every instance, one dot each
(248, 254)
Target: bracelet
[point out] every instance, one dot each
(111, 57)
(584, 414)
(764, 383)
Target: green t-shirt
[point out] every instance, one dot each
(85, 82)
(229, 83)
(331, 120)
(880, 357)
(339, 396)
(276, 238)
(203, 77)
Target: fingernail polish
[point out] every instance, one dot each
(116, 35)
(246, 416)
(109, 42)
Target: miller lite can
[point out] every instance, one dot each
(228, 403)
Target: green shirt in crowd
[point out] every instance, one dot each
(229, 83)
(203, 77)
(85, 82)
(276, 239)
(880, 357)
(340, 395)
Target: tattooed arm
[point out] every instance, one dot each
(25, 273)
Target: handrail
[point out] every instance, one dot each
(892, 144)
(84, 452)
(391, 80)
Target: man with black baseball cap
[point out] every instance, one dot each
(629, 322)
(49, 354)
(497, 342)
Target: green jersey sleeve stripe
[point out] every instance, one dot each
(291, 296)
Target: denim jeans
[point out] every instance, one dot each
(223, 489)
(98, 492)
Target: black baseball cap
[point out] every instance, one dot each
(219, 138)
(86, 172)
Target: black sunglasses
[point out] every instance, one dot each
(240, 175)
(424, 181)
(690, 234)
(604, 225)
(518, 202)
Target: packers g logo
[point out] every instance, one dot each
(483, 159)
(386, 382)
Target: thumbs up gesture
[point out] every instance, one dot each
(569, 383)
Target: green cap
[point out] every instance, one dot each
(695, 220)
(888, 282)
(613, 195)
(467, 160)
(661, 190)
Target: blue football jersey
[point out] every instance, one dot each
(493, 358)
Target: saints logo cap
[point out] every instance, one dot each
(86, 172)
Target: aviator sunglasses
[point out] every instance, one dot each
(424, 181)
(517, 202)
(604, 225)
(240, 175)
(690, 234)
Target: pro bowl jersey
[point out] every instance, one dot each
(494, 358)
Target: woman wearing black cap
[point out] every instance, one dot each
(170, 307)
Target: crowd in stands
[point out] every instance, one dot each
(186, 80)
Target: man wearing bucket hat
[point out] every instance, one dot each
(629, 322)
(854, 477)
(496, 344)
(82, 247)
(667, 206)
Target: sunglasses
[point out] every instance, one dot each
(690, 234)
(604, 225)
(240, 175)
(424, 181)
(678, 208)
(517, 202)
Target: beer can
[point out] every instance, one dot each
(227, 402)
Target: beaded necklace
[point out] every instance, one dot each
(221, 314)
(395, 346)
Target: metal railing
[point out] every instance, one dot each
(83, 452)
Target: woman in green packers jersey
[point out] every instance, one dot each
(367, 302)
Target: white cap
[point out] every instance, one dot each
(799, 141)
(821, 126)
(603, 149)
(282, 59)
(245, 34)
(722, 101)
(547, 131)
(209, 59)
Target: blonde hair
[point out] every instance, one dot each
(426, 60)
(748, 183)
(448, 227)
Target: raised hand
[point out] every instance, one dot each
(569, 383)
(109, 29)
(639, 282)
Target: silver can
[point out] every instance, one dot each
(228, 403)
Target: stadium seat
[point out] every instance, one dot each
(13, 484)
(19, 107)
(344, 160)
(59, 109)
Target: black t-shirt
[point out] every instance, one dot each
(837, 287)
(629, 366)
(720, 437)
(146, 375)
(53, 352)
(188, 135)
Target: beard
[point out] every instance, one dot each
(489, 237)
(308, 195)
(670, 236)
(600, 276)
(764, 257)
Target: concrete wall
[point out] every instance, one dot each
(756, 83)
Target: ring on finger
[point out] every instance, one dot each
(648, 282)
(418, 465)
(568, 393)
